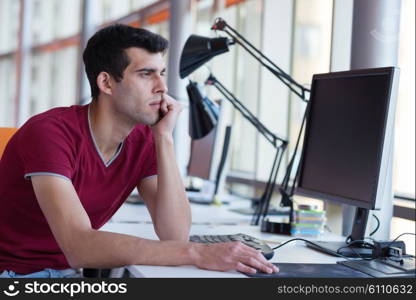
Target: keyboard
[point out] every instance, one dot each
(239, 237)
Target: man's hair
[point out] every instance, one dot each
(105, 51)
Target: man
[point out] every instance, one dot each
(67, 171)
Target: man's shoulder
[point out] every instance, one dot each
(49, 142)
(69, 113)
(60, 120)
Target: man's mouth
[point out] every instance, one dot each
(155, 104)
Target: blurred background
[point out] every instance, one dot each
(41, 43)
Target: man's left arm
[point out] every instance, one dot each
(165, 194)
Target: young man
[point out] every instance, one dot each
(68, 170)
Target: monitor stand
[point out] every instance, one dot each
(342, 248)
(357, 234)
(403, 266)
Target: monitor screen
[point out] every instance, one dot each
(345, 136)
(202, 154)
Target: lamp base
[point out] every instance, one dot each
(275, 227)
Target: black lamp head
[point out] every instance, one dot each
(203, 113)
(198, 50)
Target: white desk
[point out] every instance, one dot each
(201, 214)
(134, 220)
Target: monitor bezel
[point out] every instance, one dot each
(384, 159)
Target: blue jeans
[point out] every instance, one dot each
(46, 273)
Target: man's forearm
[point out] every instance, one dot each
(172, 213)
(101, 249)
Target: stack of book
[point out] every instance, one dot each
(308, 222)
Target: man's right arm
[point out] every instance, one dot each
(86, 247)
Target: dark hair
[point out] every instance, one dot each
(105, 51)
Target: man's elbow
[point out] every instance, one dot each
(75, 261)
(76, 251)
(81, 259)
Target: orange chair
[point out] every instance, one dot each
(5, 135)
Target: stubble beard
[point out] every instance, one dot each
(149, 119)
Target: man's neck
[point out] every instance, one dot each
(108, 132)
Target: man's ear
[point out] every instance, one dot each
(104, 83)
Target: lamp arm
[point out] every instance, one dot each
(294, 86)
(246, 114)
(270, 136)
(263, 206)
(286, 190)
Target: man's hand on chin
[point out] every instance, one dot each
(169, 111)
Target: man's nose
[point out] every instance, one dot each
(160, 86)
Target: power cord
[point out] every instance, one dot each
(312, 243)
(377, 227)
(411, 233)
(349, 243)
(363, 243)
(327, 228)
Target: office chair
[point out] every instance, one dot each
(5, 134)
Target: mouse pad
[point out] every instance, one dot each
(312, 271)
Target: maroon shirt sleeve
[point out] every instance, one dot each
(47, 146)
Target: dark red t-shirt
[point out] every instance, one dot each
(59, 142)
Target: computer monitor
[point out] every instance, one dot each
(207, 161)
(201, 156)
(347, 148)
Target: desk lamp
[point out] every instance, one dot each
(197, 51)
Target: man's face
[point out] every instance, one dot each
(137, 96)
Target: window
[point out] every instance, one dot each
(138, 4)
(399, 226)
(9, 27)
(268, 24)
(52, 45)
(54, 19)
(53, 79)
(105, 11)
(404, 171)
(404, 156)
(312, 46)
(238, 72)
(108, 10)
(7, 91)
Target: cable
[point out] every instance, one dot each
(337, 253)
(377, 227)
(400, 236)
(327, 228)
(363, 243)
(312, 243)
(400, 260)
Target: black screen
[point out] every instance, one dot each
(344, 136)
